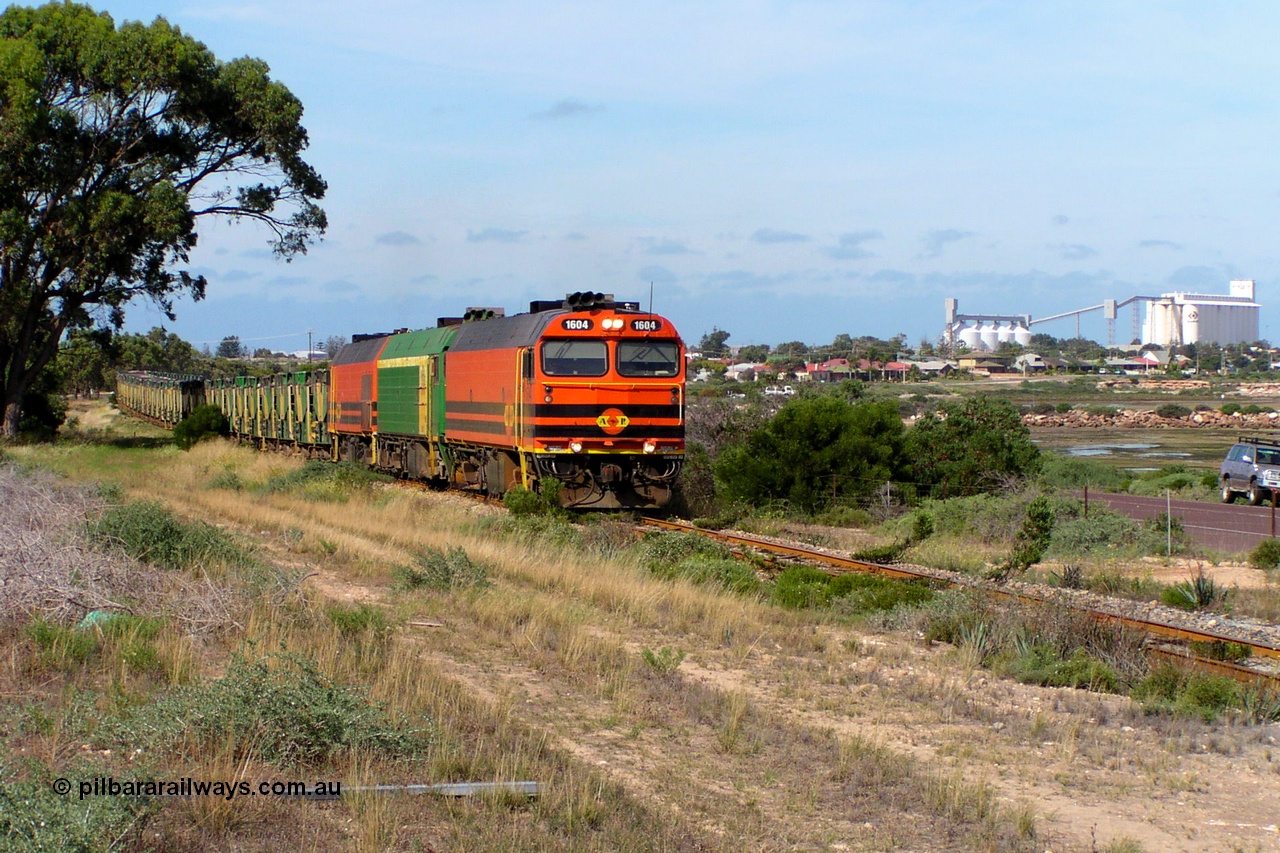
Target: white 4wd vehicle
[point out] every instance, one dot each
(1252, 468)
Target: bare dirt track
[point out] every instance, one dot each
(1092, 769)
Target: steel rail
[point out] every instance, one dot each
(1148, 626)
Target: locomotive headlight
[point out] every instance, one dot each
(649, 447)
(611, 323)
(575, 446)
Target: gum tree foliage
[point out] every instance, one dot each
(333, 344)
(230, 347)
(813, 452)
(713, 343)
(972, 446)
(114, 143)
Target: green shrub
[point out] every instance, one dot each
(1266, 554)
(203, 422)
(521, 502)
(976, 445)
(728, 574)
(1229, 408)
(226, 479)
(35, 819)
(61, 647)
(1197, 593)
(1172, 410)
(844, 516)
(1074, 472)
(1103, 533)
(815, 452)
(1045, 665)
(325, 481)
(1032, 540)
(148, 532)
(665, 661)
(355, 620)
(437, 569)
(802, 587)
(545, 529)
(890, 553)
(859, 593)
(1176, 691)
(658, 551)
(989, 517)
(279, 709)
(1221, 650)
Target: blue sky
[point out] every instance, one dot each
(781, 170)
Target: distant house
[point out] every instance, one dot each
(1150, 361)
(934, 367)
(895, 371)
(1030, 362)
(983, 363)
(831, 370)
(746, 371)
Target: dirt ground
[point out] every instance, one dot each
(1091, 771)
(1224, 574)
(1096, 773)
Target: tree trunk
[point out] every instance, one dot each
(12, 414)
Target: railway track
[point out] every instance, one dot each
(1169, 641)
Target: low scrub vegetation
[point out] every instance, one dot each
(203, 422)
(147, 531)
(324, 481)
(437, 568)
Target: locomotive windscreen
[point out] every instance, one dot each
(575, 358)
(648, 358)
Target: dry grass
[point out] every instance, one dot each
(776, 730)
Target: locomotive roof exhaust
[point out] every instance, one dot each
(583, 300)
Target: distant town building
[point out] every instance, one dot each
(1176, 319)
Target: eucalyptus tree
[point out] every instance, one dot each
(115, 142)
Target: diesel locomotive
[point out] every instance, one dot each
(584, 396)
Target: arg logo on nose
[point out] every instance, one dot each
(612, 421)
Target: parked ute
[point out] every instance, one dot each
(1252, 468)
(779, 391)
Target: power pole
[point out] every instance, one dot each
(308, 346)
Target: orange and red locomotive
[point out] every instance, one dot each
(584, 397)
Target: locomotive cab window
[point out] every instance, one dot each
(575, 358)
(648, 358)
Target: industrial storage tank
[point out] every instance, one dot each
(1021, 335)
(989, 336)
(1004, 334)
(969, 337)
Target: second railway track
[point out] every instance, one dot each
(1262, 641)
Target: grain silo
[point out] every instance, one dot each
(1180, 318)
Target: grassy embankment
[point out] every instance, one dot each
(224, 664)
(665, 695)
